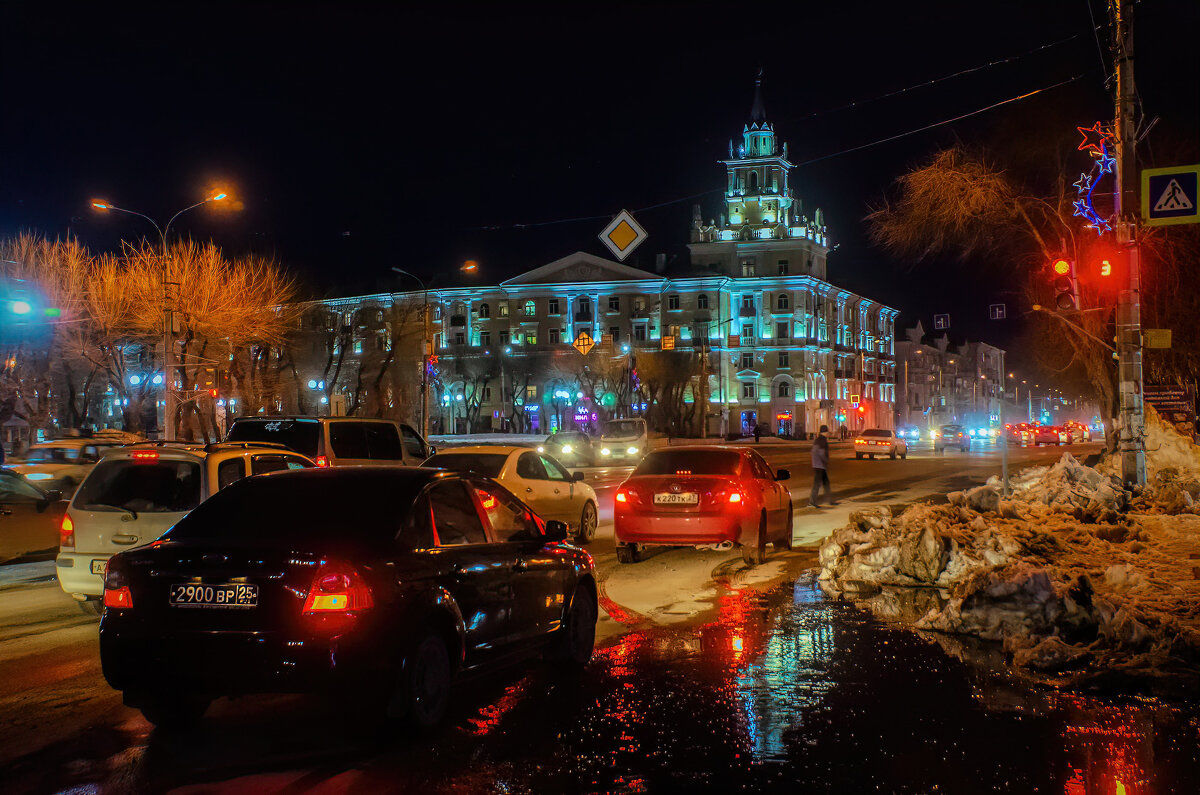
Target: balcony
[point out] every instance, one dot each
(458, 320)
(748, 311)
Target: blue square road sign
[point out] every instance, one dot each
(1169, 195)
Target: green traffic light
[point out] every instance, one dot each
(52, 311)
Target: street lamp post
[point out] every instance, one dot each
(168, 333)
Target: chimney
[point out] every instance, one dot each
(660, 263)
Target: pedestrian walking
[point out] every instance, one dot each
(820, 465)
(757, 431)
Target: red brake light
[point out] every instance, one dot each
(118, 598)
(621, 497)
(336, 598)
(735, 496)
(145, 455)
(66, 532)
(322, 461)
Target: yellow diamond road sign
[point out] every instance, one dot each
(623, 235)
(584, 343)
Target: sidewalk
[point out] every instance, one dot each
(26, 573)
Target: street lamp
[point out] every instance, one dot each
(168, 341)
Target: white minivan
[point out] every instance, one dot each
(626, 441)
(136, 493)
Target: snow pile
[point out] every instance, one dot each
(1061, 572)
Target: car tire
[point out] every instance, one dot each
(892, 455)
(575, 642)
(754, 554)
(786, 542)
(588, 519)
(426, 682)
(904, 455)
(92, 607)
(871, 456)
(627, 553)
(858, 455)
(173, 710)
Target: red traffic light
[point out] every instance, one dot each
(1061, 266)
(212, 392)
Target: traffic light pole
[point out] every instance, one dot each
(1132, 436)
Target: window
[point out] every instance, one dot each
(614, 304)
(505, 337)
(554, 336)
(747, 361)
(615, 333)
(748, 333)
(783, 390)
(552, 307)
(531, 338)
(503, 309)
(505, 513)
(702, 301)
(262, 464)
(672, 302)
(585, 308)
(159, 487)
(553, 470)
(229, 472)
(673, 331)
(437, 312)
(749, 389)
(782, 331)
(358, 346)
(487, 394)
(783, 359)
(782, 301)
(639, 332)
(700, 331)
(783, 267)
(530, 392)
(485, 310)
(747, 301)
(639, 304)
(485, 338)
(529, 467)
(412, 442)
(460, 338)
(454, 516)
(348, 440)
(530, 308)
(753, 180)
(747, 267)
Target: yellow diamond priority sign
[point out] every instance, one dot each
(622, 235)
(584, 343)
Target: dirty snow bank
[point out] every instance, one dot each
(1080, 578)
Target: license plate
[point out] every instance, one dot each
(98, 566)
(684, 498)
(234, 595)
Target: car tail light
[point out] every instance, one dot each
(145, 455)
(735, 496)
(322, 461)
(116, 593)
(860, 441)
(337, 597)
(66, 533)
(621, 497)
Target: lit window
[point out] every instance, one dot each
(530, 308)
(749, 390)
(531, 392)
(531, 338)
(503, 309)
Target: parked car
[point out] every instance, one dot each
(1049, 434)
(63, 463)
(573, 448)
(29, 518)
(879, 441)
(136, 493)
(431, 574)
(626, 441)
(337, 441)
(951, 436)
(540, 480)
(710, 495)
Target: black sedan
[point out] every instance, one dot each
(376, 583)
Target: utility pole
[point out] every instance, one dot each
(1132, 439)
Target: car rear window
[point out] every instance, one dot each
(486, 464)
(154, 486)
(366, 507)
(877, 433)
(695, 462)
(52, 455)
(302, 436)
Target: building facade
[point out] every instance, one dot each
(941, 385)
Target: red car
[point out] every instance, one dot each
(703, 496)
(1049, 434)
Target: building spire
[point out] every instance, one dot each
(758, 112)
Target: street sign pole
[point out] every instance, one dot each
(1132, 439)
(1003, 431)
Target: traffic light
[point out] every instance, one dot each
(1066, 287)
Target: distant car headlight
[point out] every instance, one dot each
(972, 431)
(632, 451)
(605, 451)
(566, 448)
(39, 476)
(541, 449)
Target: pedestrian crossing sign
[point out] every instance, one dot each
(1169, 195)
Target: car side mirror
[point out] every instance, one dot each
(783, 474)
(576, 476)
(556, 530)
(430, 450)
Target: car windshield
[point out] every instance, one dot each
(566, 438)
(621, 429)
(52, 455)
(486, 464)
(877, 433)
(690, 462)
(367, 506)
(299, 435)
(142, 486)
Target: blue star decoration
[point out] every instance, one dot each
(1084, 184)
(1082, 209)
(1107, 163)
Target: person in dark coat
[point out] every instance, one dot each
(820, 465)
(757, 431)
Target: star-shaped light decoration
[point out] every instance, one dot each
(1082, 209)
(1093, 138)
(1106, 162)
(1084, 184)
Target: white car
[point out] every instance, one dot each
(138, 492)
(62, 464)
(536, 478)
(625, 441)
(879, 441)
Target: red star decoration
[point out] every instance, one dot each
(1093, 138)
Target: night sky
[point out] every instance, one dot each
(357, 138)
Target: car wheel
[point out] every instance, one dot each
(92, 607)
(427, 682)
(904, 455)
(174, 710)
(576, 640)
(786, 542)
(627, 553)
(756, 553)
(858, 455)
(871, 456)
(892, 455)
(587, 523)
